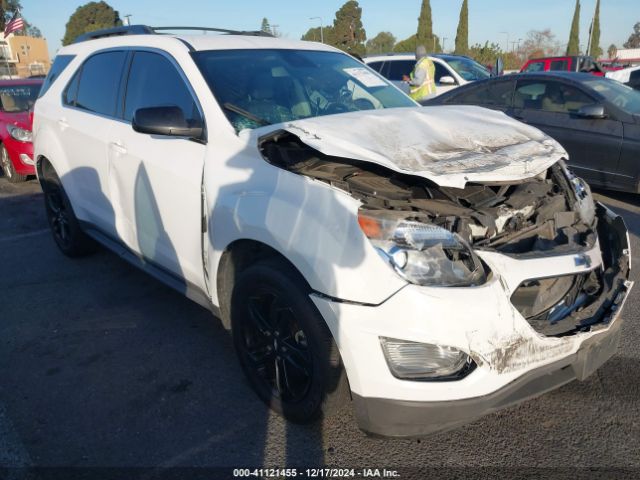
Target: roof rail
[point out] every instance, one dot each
(114, 32)
(146, 30)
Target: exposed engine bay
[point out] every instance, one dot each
(540, 214)
(551, 213)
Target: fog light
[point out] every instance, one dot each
(415, 361)
(26, 159)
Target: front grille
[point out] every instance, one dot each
(549, 304)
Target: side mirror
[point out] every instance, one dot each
(447, 80)
(498, 70)
(594, 111)
(168, 121)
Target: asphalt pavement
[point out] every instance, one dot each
(102, 366)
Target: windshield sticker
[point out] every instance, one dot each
(365, 77)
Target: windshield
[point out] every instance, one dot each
(468, 69)
(263, 87)
(18, 98)
(622, 96)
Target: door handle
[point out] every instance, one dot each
(118, 148)
(63, 123)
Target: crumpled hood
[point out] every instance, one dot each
(449, 145)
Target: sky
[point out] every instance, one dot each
(488, 19)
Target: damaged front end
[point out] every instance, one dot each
(434, 235)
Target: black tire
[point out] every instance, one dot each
(68, 235)
(8, 169)
(279, 335)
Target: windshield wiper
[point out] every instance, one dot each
(241, 111)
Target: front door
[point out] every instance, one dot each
(593, 144)
(156, 181)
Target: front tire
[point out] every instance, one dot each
(284, 345)
(68, 235)
(7, 167)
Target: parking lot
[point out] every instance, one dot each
(102, 366)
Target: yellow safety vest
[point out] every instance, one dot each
(429, 85)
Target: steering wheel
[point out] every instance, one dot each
(336, 107)
(364, 104)
(619, 102)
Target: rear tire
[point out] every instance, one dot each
(68, 235)
(8, 169)
(284, 345)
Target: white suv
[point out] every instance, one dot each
(430, 264)
(451, 71)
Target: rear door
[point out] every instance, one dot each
(89, 110)
(156, 180)
(593, 144)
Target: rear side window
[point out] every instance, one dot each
(550, 96)
(491, 94)
(561, 65)
(399, 68)
(155, 82)
(99, 80)
(59, 64)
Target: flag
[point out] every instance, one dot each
(16, 23)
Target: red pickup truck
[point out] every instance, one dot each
(580, 63)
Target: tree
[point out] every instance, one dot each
(313, 35)
(573, 47)
(634, 38)
(266, 26)
(540, 43)
(612, 51)
(462, 35)
(7, 10)
(381, 43)
(90, 17)
(349, 34)
(425, 35)
(408, 45)
(594, 47)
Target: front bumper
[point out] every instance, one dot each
(397, 418)
(515, 362)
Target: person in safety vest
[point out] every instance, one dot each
(422, 84)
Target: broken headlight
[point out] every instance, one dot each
(422, 253)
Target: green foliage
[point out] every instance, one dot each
(486, 54)
(612, 51)
(408, 45)
(573, 47)
(462, 35)
(634, 38)
(7, 9)
(266, 26)
(348, 32)
(90, 17)
(313, 35)
(425, 35)
(381, 43)
(595, 51)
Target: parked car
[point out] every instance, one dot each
(579, 63)
(338, 229)
(596, 120)
(17, 98)
(451, 70)
(629, 76)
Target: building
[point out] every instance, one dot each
(22, 56)
(628, 55)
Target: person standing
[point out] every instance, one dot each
(422, 84)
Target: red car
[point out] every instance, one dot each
(580, 63)
(17, 98)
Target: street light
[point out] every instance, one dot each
(127, 19)
(507, 34)
(444, 42)
(321, 32)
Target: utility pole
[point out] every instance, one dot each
(274, 30)
(444, 42)
(127, 20)
(321, 27)
(513, 45)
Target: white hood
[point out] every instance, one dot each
(447, 145)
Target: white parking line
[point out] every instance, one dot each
(21, 236)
